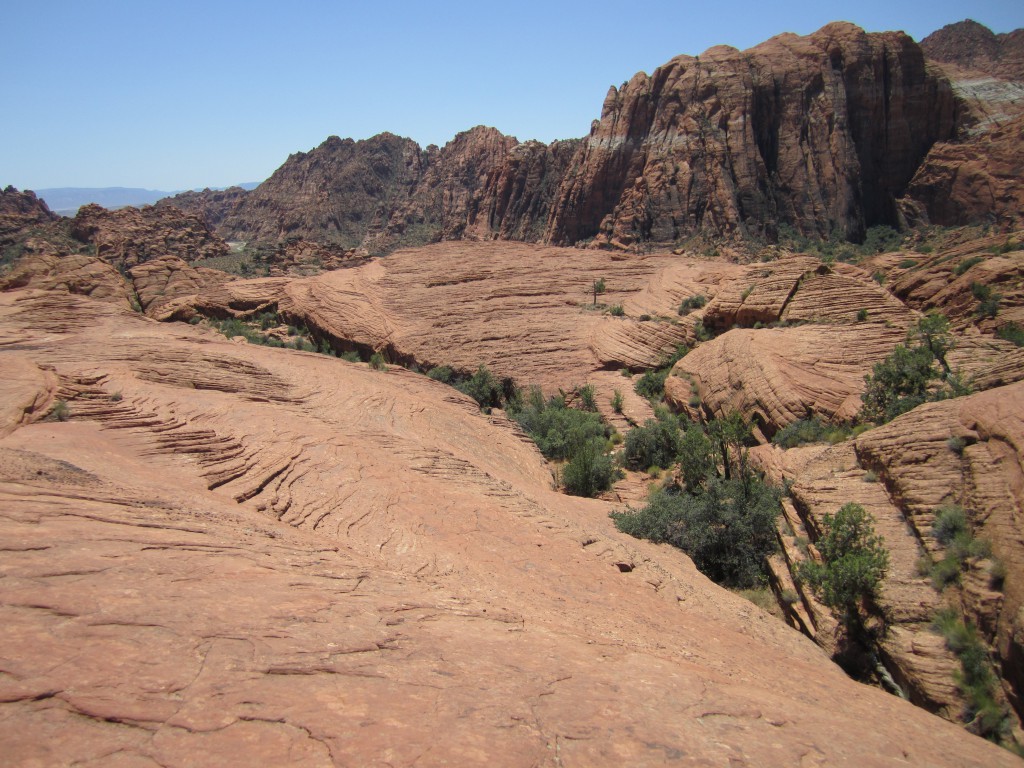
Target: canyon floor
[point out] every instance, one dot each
(227, 554)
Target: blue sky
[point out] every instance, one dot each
(174, 95)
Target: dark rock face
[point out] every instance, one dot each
(973, 46)
(210, 205)
(130, 236)
(821, 132)
(975, 181)
(19, 211)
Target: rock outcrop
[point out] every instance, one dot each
(20, 211)
(131, 236)
(265, 556)
(974, 47)
(822, 133)
(973, 181)
(210, 205)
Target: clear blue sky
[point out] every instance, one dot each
(174, 95)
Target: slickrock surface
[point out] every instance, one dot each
(238, 555)
(932, 282)
(524, 311)
(131, 236)
(164, 284)
(74, 273)
(922, 472)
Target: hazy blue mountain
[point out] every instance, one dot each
(67, 200)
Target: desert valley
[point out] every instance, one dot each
(696, 440)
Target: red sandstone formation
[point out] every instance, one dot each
(131, 236)
(265, 556)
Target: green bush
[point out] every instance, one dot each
(966, 264)
(988, 300)
(984, 715)
(692, 303)
(587, 400)
(812, 430)
(377, 362)
(652, 384)
(617, 401)
(443, 373)
(950, 522)
(655, 444)
(862, 315)
(910, 375)
(616, 311)
(727, 529)
(60, 411)
(1011, 332)
(589, 471)
(854, 560)
(558, 431)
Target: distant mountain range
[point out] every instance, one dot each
(67, 200)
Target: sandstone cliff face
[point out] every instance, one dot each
(821, 132)
(130, 236)
(973, 46)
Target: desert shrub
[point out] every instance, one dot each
(617, 401)
(966, 264)
(700, 332)
(950, 522)
(909, 376)
(727, 529)
(377, 362)
(589, 471)
(907, 263)
(692, 303)
(854, 560)
(697, 458)
(351, 357)
(652, 384)
(988, 300)
(812, 430)
(558, 430)
(983, 713)
(443, 373)
(655, 444)
(1011, 332)
(956, 444)
(61, 411)
(586, 394)
(879, 277)
(862, 315)
(881, 239)
(616, 310)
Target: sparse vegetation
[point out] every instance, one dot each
(651, 384)
(854, 560)
(1011, 332)
(692, 303)
(966, 264)
(952, 529)
(915, 372)
(988, 300)
(616, 310)
(862, 315)
(812, 430)
(377, 362)
(61, 411)
(983, 714)
(598, 288)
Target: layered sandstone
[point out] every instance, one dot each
(266, 556)
(20, 211)
(974, 47)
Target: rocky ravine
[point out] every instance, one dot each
(268, 556)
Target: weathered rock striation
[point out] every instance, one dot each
(267, 557)
(20, 211)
